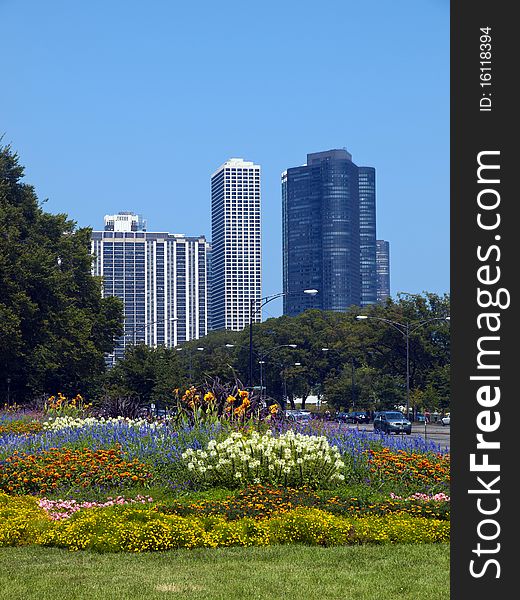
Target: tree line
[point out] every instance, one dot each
(55, 329)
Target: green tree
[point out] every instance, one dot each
(54, 325)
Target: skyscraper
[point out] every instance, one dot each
(367, 234)
(383, 271)
(236, 279)
(160, 277)
(321, 231)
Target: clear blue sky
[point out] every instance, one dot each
(125, 105)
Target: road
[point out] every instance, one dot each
(439, 434)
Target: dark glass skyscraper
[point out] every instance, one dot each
(322, 232)
(383, 270)
(367, 234)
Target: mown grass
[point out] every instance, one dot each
(400, 572)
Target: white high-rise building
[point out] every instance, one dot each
(236, 265)
(160, 277)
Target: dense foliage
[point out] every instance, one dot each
(54, 325)
(345, 362)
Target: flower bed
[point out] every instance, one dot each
(262, 501)
(425, 471)
(132, 529)
(310, 484)
(63, 468)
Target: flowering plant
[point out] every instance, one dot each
(56, 468)
(61, 405)
(68, 422)
(63, 509)
(214, 401)
(290, 459)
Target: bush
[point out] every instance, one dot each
(291, 459)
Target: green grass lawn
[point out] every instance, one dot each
(400, 572)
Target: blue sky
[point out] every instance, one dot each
(128, 105)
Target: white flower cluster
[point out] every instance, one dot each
(291, 459)
(65, 422)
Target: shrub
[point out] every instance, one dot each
(289, 459)
(115, 405)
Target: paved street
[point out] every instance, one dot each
(437, 433)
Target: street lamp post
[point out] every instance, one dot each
(190, 360)
(145, 326)
(253, 311)
(405, 329)
(352, 376)
(262, 361)
(283, 374)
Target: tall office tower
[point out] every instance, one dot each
(236, 267)
(321, 233)
(383, 270)
(209, 270)
(160, 277)
(367, 235)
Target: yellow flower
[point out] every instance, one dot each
(231, 399)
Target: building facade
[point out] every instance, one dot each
(383, 271)
(160, 277)
(321, 233)
(236, 253)
(367, 235)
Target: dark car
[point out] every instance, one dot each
(357, 416)
(342, 417)
(392, 421)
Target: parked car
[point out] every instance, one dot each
(342, 417)
(298, 416)
(445, 420)
(392, 421)
(357, 416)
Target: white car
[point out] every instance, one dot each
(298, 416)
(445, 420)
